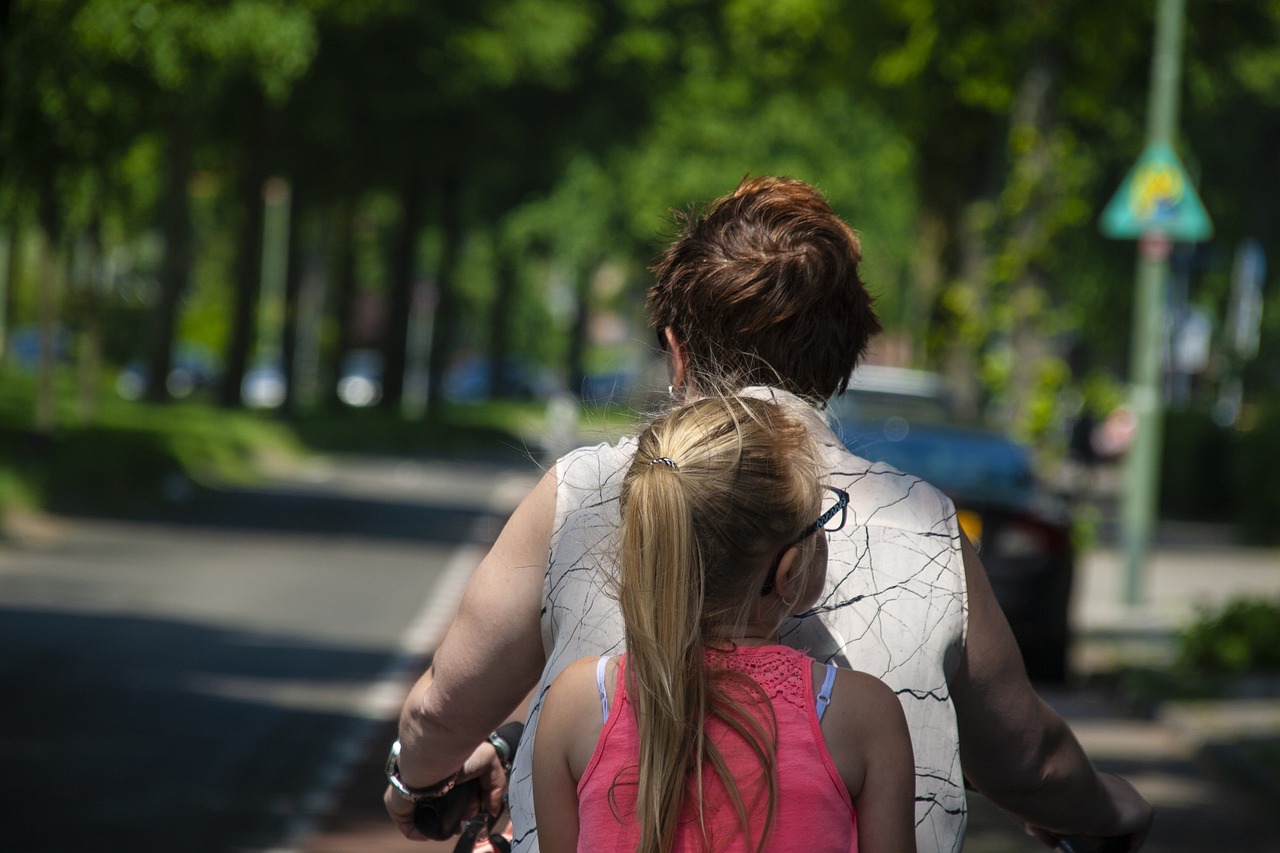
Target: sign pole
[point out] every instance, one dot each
(1142, 464)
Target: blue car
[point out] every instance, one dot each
(1022, 533)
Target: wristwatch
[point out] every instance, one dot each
(430, 792)
(506, 752)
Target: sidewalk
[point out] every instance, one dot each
(1190, 567)
(1187, 759)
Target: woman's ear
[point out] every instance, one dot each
(676, 363)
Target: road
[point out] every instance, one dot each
(202, 681)
(221, 678)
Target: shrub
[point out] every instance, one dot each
(1194, 484)
(1255, 474)
(1242, 638)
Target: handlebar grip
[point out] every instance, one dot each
(443, 817)
(511, 733)
(1095, 844)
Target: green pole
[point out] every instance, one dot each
(1142, 473)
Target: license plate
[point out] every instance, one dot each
(971, 524)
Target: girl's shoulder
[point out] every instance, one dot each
(859, 700)
(863, 719)
(578, 679)
(571, 718)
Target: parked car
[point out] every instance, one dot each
(607, 388)
(194, 368)
(470, 379)
(23, 346)
(360, 385)
(1022, 533)
(264, 386)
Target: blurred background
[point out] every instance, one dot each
(328, 267)
(308, 207)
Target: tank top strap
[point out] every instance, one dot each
(824, 695)
(604, 696)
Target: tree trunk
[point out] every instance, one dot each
(576, 355)
(344, 262)
(89, 351)
(404, 268)
(8, 296)
(175, 266)
(47, 290)
(1033, 118)
(446, 303)
(505, 281)
(248, 280)
(292, 289)
(927, 281)
(971, 333)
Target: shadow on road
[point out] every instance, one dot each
(138, 734)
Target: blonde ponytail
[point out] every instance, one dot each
(715, 487)
(661, 602)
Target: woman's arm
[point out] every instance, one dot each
(866, 733)
(568, 729)
(1017, 750)
(488, 662)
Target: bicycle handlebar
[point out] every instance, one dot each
(1095, 844)
(444, 817)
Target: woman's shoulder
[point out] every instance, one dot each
(590, 466)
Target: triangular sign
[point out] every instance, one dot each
(1157, 197)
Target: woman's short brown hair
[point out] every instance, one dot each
(763, 289)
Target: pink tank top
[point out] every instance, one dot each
(814, 813)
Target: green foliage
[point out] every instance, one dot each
(1255, 472)
(489, 430)
(134, 453)
(178, 42)
(1241, 638)
(710, 135)
(970, 143)
(1195, 479)
(528, 38)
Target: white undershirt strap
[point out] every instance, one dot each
(824, 695)
(604, 697)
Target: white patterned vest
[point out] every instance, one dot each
(894, 606)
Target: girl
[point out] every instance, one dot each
(707, 734)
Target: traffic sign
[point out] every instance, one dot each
(1157, 197)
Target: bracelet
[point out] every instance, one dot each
(430, 792)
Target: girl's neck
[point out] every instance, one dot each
(762, 629)
(749, 639)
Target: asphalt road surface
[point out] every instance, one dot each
(203, 681)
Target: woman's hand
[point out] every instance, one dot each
(483, 764)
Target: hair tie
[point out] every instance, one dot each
(670, 463)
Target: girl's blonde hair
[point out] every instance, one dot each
(716, 489)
